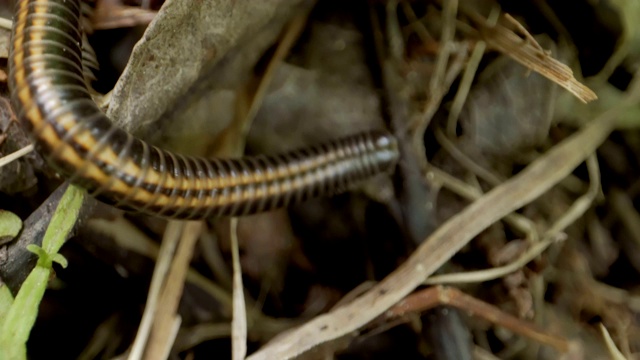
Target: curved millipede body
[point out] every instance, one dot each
(52, 101)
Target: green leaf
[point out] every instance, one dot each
(44, 259)
(19, 319)
(10, 226)
(6, 300)
(63, 220)
(60, 260)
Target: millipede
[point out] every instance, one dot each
(52, 101)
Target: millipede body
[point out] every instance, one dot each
(52, 101)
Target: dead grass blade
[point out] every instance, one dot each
(113, 15)
(167, 321)
(239, 323)
(613, 350)
(553, 234)
(530, 54)
(439, 295)
(169, 243)
(6, 23)
(15, 155)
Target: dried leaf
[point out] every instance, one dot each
(185, 39)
